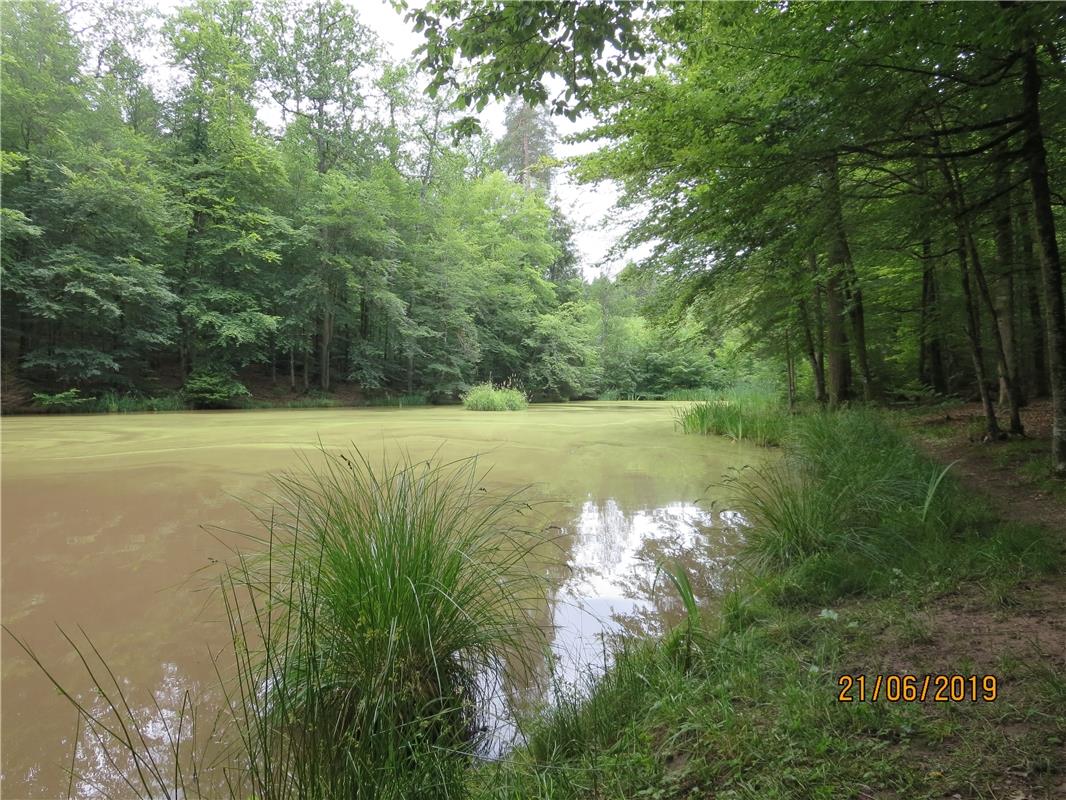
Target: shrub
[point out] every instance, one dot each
(70, 400)
(486, 397)
(112, 402)
(211, 389)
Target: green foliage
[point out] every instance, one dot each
(112, 402)
(398, 401)
(395, 591)
(70, 400)
(486, 397)
(213, 389)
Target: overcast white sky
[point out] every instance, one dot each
(597, 224)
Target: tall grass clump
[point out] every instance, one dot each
(486, 397)
(371, 624)
(739, 413)
(850, 501)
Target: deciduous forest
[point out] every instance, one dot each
(721, 356)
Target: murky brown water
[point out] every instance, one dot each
(103, 517)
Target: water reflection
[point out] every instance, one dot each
(613, 587)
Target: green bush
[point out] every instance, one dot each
(486, 397)
(70, 400)
(210, 389)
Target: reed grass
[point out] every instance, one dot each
(486, 397)
(740, 413)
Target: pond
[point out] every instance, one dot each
(111, 523)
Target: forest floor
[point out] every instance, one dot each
(1013, 626)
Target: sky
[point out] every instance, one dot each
(591, 208)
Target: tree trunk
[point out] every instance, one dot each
(292, 369)
(837, 344)
(973, 336)
(325, 341)
(1002, 365)
(969, 245)
(1003, 296)
(1051, 265)
(840, 260)
(1036, 338)
(791, 369)
(813, 357)
(930, 353)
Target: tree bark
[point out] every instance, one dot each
(840, 260)
(817, 370)
(325, 341)
(1036, 335)
(969, 245)
(973, 336)
(1003, 294)
(1002, 364)
(1050, 262)
(930, 352)
(837, 353)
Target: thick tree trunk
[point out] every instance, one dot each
(837, 343)
(840, 259)
(1051, 264)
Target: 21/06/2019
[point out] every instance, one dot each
(918, 688)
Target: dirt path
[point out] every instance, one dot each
(1015, 753)
(1007, 473)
